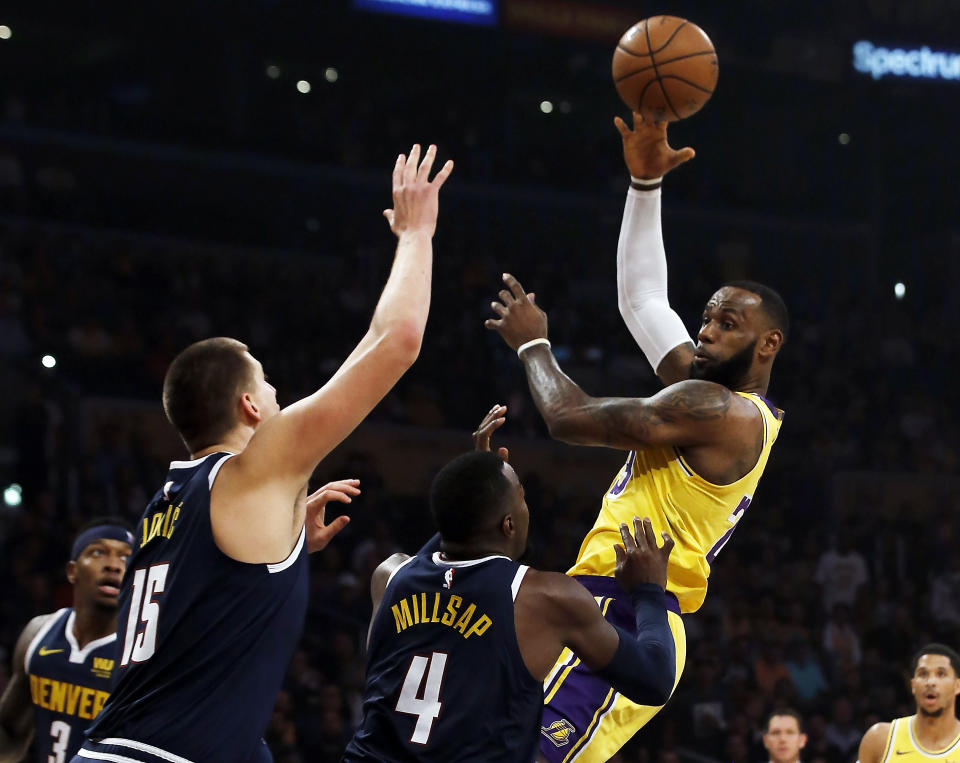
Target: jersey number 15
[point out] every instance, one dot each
(140, 641)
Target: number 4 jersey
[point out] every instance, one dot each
(68, 685)
(445, 679)
(204, 640)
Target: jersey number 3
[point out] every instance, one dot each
(427, 707)
(140, 641)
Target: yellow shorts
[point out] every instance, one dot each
(584, 718)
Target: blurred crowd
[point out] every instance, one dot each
(817, 602)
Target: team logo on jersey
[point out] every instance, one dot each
(559, 732)
(102, 667)
(448, 578)
(44, 651)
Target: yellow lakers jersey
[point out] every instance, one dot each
(699, 515)
(902, 745)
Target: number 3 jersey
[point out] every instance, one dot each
(699, 515)
(203, 640)
(68, 685)
(445, 679)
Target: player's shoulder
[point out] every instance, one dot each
(874, 741)
(384, 571)
(703, 399)
(29, 633)
(555, 596)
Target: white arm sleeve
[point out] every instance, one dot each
(642, 279)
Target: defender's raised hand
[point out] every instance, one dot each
(415, 196)
(318, 533)
(494, 419)
(645, 148)
(639, 559)
(520, 320)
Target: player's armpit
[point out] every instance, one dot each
(675, 366)
(16, 709)
(873, 743)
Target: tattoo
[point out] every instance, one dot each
(573, 416)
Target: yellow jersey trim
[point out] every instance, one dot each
(566, 671)
(588, 732)
(920, 747)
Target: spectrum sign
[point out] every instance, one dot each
(465, 11)
(916, 63)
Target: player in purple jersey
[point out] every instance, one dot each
(63, 660)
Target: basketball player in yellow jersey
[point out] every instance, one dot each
(696, 449)
(933, 733)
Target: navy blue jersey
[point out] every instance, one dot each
(68, 685)
(204, 640)
(445, 678)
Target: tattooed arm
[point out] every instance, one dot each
(687, 413)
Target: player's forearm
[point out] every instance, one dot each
(402, 310)
(644, 666)
(642, 278)
(559, 399)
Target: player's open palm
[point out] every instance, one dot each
(645, 148)
(319, 534)
(415, 196)
(494, 419)
(640, 559)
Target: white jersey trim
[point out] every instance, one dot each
(281, 566)
(107, 757)
(77, 655)
(216, 469)
(142, 747)
(518, 579)
(397, 569)
(44, 630)
(189, 464)
(468, 563)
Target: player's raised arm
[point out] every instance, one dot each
(641, 258)
(16, 708)
(285, 448)
(692, 412)
(555, 611)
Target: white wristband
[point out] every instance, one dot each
(531, 343)
(646, 184)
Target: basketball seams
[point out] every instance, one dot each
(668, 61)
(656, 73)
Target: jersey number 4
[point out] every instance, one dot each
(140, 641)
(426, 708)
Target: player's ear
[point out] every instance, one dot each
(72, 572)
(507, 526)
(770, 342)
(803, 741)
(249, 408)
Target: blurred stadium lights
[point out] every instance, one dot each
(843, 139)
(5, 32)
(13, 495)
(48, 361)
(303, 86)
(273, 71)
(899, 290)
(546, 107)
(331, 74)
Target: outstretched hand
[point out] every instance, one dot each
(520, 319)
(318, 533)
(494, 419)
(415, 196)
(645, 148)
(639, 559)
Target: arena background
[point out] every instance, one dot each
(164, 178)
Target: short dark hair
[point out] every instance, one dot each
(943, 649)
(200, 387)
(784, 711)
(771, 302)
(468, 495)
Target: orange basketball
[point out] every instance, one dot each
(665, 67)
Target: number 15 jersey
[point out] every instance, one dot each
(204, 640)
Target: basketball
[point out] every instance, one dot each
(665, 67)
